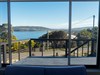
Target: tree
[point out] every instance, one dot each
(88, 33)
(4, 32)
(85, 34)
(56, 35)
(95, 32)
(4, 36)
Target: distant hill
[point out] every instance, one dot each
(40, 28)
(30, 28)
(79, 29)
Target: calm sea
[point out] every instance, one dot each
(21, 35)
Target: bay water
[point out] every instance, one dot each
(21, 35)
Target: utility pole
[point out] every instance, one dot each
(93, 26)
(93, 45)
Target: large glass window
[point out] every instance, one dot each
(49, 20)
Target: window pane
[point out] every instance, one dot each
(50, 15)
(85, 28)
(34, 19)
(3, 30)
(3, 12)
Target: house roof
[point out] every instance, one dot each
(44, 0)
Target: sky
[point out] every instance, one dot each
(50, 14)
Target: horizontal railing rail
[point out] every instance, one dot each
(85, 42)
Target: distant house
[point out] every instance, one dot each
(73, 36)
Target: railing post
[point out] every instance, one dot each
(92, 47)
(0, 56)
(19, 51)
(82, 50)
(42, 48)
(53, 51)
(66, 51)
(42, 52)
(74, 53)
(4, 53)
(77, 52)
(88, 49)
(30, 51)
(77, 46)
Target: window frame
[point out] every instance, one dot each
(98, 47)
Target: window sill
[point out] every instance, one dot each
(93, 71)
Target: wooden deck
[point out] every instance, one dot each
(56, 61)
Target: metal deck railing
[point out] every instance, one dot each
(48, 47)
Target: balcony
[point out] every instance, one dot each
(52, 52)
